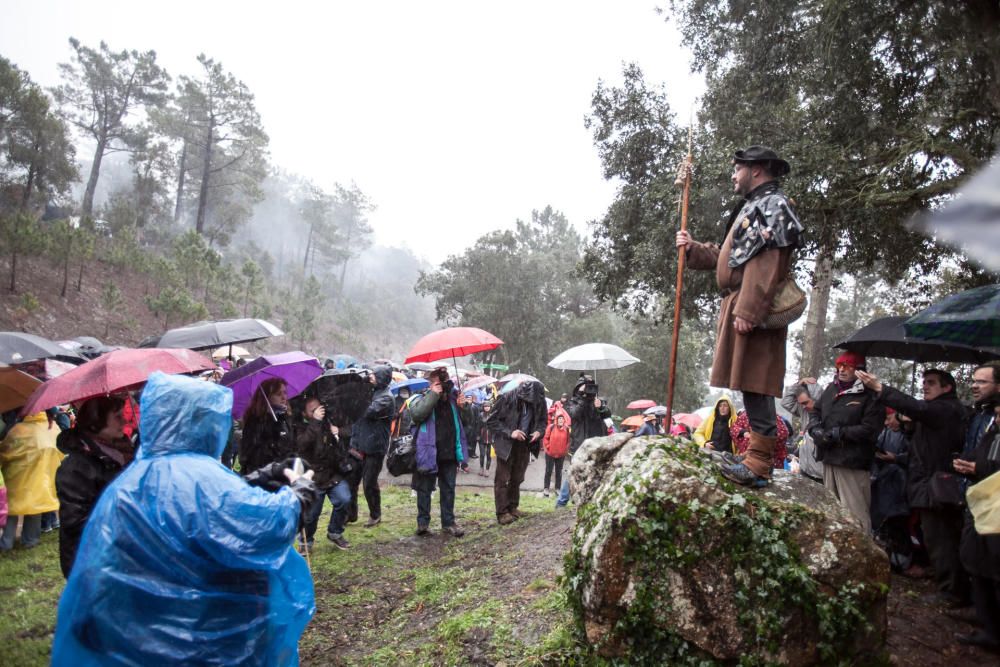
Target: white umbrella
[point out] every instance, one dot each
(593, 357)
(230, 351)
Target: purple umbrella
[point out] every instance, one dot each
(297, 369)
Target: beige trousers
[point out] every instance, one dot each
(853, 489)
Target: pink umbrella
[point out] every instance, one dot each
(689, 419)
(640, 404)
(116, 371)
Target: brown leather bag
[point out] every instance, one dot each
(788, 305)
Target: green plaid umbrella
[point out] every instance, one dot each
(970, 318)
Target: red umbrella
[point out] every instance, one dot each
(452, 342)
(640, 404)
(116, 371)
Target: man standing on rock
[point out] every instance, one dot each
(755, 258)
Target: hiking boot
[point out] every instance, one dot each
(742, 475)
(423, 529)
(454, 530)
(506, 519)
(732, 459)
(374, 521)
(339, 542)
(517, 514)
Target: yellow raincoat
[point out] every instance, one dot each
(704, 432)
(29, 460)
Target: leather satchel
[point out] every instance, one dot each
(788, 305)
(946, 490)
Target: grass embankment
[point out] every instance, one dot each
(393, 599)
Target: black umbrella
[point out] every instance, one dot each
(205, 335)
(17, 347)
(885, 338)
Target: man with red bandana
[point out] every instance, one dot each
(844, 425)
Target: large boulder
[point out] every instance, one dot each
(672, 564)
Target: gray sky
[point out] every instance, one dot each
(456, 118)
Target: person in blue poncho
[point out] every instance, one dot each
(182, 561)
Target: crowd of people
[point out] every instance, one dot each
(178, 526)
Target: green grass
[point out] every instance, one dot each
(443, 605)
(30, 585)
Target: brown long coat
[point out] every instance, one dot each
(755, 361)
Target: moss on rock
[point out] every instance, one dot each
(671, 564)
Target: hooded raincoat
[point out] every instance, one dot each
(704, 432)
(182, 562)
(29, 460)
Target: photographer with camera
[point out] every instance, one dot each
(370, 436)
(587, 413)
(439, 414)
(318, 443)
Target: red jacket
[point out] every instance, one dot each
(556, 441)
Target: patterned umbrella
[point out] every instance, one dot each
(968, 318)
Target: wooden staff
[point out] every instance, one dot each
(683, 178)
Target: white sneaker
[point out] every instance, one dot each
(545, 493)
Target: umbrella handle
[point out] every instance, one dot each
(267, 401)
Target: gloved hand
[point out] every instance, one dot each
(817, 435)
(831, 436)
(271, 477)
(306, 491)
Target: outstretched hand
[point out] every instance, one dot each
(869, 380)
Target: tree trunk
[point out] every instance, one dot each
(87, 209)
(305, 259)
(180, 183)
(79, 277)
(819, 301)
(28, 185)
(203, 193)
(13, 272)
(246, 298)
(343, 267)
(69, 247)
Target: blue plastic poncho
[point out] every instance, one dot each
(181, 561)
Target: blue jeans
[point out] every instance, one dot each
(340, 497)
(445, 477)
(31, 532)
(563, 497)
